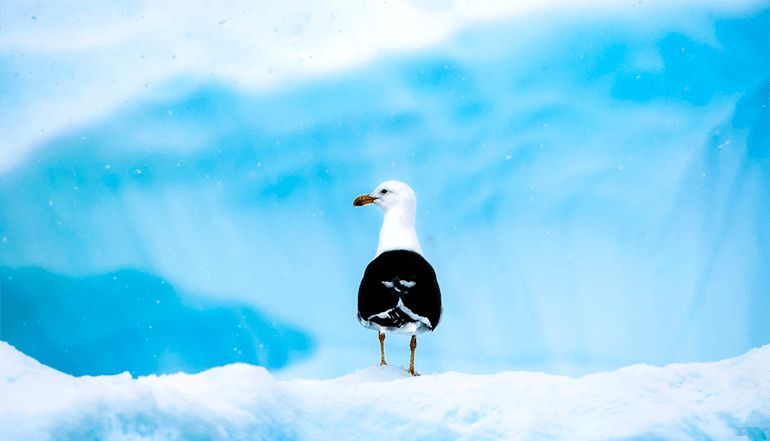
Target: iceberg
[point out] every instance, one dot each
(594, 184)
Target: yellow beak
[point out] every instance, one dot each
(363, 200)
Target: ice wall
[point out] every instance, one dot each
(593, 191)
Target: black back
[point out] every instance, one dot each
(399, 275)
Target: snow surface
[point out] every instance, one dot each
(722, 400)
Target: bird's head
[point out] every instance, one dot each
(389, 195)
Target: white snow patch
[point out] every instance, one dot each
(729, 399)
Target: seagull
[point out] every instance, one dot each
(399, 292)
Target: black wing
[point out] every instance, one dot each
(400, 287)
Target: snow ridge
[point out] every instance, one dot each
(729, 399)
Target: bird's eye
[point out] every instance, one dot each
(383, 191)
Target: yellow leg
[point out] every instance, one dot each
(412, 347)
(382, 349)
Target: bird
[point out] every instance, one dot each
(399, 291)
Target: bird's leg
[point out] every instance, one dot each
(382, 349)
(412, 347)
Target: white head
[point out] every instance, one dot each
(390, 195)
(399, 203)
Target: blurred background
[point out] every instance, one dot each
(176, 181)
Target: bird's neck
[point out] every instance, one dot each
(397, 232)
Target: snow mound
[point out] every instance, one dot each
(729, 399)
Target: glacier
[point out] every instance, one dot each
(593, 185)
(723, 400)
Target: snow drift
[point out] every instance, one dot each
(729, 399)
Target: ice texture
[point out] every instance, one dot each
(593, 185)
